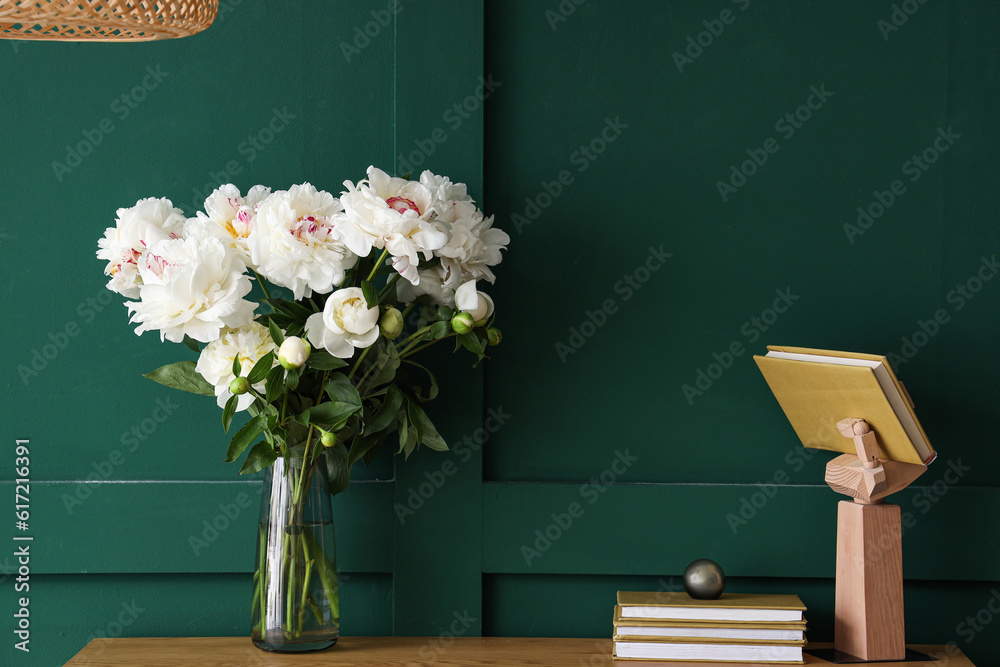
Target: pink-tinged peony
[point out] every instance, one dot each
(296, 241)
(229, 216)
(125, 244)
(192, 287)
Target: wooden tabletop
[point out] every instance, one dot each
(396, 652)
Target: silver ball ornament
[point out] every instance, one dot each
(704, 580)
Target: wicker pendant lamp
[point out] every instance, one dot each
(104, 20)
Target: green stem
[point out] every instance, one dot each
(290, 597)
(378, 263)
(411, 352)
(388, 283)
(305, 591)
(263, 286)
(357, 363)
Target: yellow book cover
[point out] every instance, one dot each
(708, 640)
(730, 607)
(662, 627)
(818, 388)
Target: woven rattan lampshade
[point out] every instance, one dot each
(104, 20)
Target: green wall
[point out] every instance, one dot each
(623, 399)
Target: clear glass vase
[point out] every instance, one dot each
(296, 604)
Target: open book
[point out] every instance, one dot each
(818, 388)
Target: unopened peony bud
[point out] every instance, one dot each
(493, 336)
(293, 352)
(328, 439)
(462, 323)
(239, 386)
(392, 323)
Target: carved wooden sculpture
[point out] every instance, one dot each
(869, 606)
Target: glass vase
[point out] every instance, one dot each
(296, 603)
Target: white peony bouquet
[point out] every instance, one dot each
(376, 275)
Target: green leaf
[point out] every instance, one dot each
(402, 425)
(276, 334)
(261, 456)
(292, 379)
(432, 390)
(373, 451)
(471, 343)
(289, 308)
(440, 329)
(427, 432)
(260, 369)
(371, 294)
(322, 360)
(191, 343)
(386, 413)
(333, 414)
(303, 417)
(228, 412)
(244, 437)
(413, 412)
(237, 366)
(387, 363)
(274, 382)
(340, 388)
(338, 468)
(363, 444)
(182, 375)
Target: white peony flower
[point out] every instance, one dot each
(477, 304)
(249, 342)
(293, 352)
(296, 243)
(229, 216)
(346, 323)
(443, 192)
(432, 282)
(191, 286)
(391, 213)
(136, 228)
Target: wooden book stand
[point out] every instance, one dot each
(869, 605)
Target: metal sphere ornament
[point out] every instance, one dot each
(704, 580)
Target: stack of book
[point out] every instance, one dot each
(734, 628)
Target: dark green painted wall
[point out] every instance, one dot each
(595, 365)
(598, 102)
